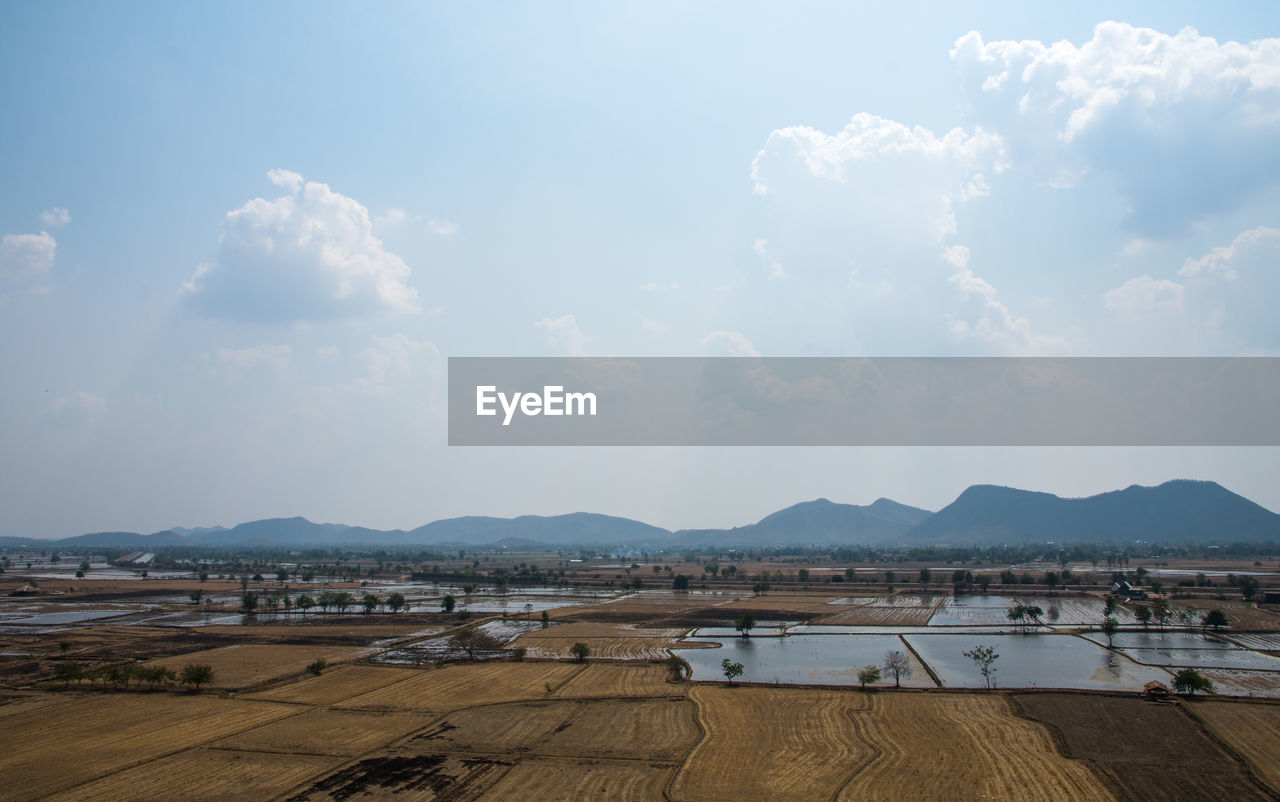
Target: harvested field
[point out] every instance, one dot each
(605, 648)
(337, 632)
(780, 603)
(1187, 764)
(644, 729)
(878, 615)
(572, 780)
(1243, 615)
(327, 732)
(1253, 730)
(1266, 643)
(238, 667)
(766, 743)
(108, 732)
(595, 629)
(336, 684)
(211, 774)
(457, 686)
(978, 750)
(1263, 684)
(602, 680)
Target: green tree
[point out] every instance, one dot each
(317, 665)
(196, 595)
(1160, 608)
(249, 603)
(984, 657)
(370, 603)
(196, 674)
(898, 665)
(305, 603)
(1216, 619)
(395, 602)
(1110, 627)
(448, 603)
(67, 672)
(803, 574)
(680, 582)
(1051, 579)
(1143, 613)
(731, 669)
(1188, 681)
(546, 619)
(925, 576)
(745, 623)
(343, 600)
(580, 651)
(868, 675)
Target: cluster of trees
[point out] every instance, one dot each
(121, 674)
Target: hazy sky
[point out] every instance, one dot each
(240, 239)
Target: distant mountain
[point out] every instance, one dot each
(819, 523)
(578, 528)
(165, 538)
(1175, 512)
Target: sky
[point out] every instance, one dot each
(240, 240)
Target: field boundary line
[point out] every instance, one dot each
(927, 668)
(1249, 769)
(669, 786)
(1059, 739)
(876, 751)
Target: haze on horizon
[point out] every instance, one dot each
(238, 243)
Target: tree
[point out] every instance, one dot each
(546, 619)
(305, 603)
(1034, 613)
(282, 575)
(67, 672)
(1160, 608)
(196, 595)
(196, 674)
(1216, 619)
(395, 602)
(249, 603)
(1143, 613)
(1188, 681)
(580, 651)
(1249, 588)
(370, 603)
(343, 600)
(680, 582)
(1051, 579)
(316, 666)
(760, 588)
(925, 576)
(1108, 606)
(744, 624)
(448, 602)
(868, 675)
(679, 668)
(474, 641)
(731, 670)
(1018, 614)
(984, 657)
(1110, 627)
(804, 574)
(897, 664)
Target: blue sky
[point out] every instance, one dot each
(240, 239)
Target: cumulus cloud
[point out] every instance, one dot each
(442, 228)
(995, 323)
(1185, 126)
(391, 361)
(728, 343)
(1145, 294)
(307, 255)
(1221, 262)
(760, 246)
(23, 255)
(57, 216)
(563, 334)
(266, 355)
(328, 352)
(669, 288)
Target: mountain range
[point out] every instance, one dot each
(1179, 511)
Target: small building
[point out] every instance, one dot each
(1271, 597)
(1156, 691)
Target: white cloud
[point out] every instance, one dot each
(266, 355)
(79, 400)
(328, 352)
(1185, 126)
(1145, 294)
(306, 255)
(760, 246)
(24, 255)
(392, 217)
(669, 288)
(564, 335)
(443, 228)
(390, 361)
(1221, 261)
(995, 325)
(728, 343)
(57, 216)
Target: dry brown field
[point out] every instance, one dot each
(601, 648)
(459, 686)
(237, 667)
(597, 629)
(1239, 682)
(335, 684)
(876, 615)
(323, 731)
(766, 743)
(614, 680)
(1002, 757)
(205, 774)
(1142, 749)
(572, 780)
(1252, 730)
(54, 748)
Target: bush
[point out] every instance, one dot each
(581, 651)
(317, 666)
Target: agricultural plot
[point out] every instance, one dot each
(335, 684)
(1002, 757)
(210, 774)
(765, 743)
(982, 610)
(1261, 684)
(879, 615)
(569, 780)
(1266, 643)
(389, 776)
(781, 602)
(1186, 765)
(457, 686)
(110, 732)
(1253, 730)
(617, 680)
(806, 659)
(1244, 615)
(603, 648)
(327, 732)
(236, 667)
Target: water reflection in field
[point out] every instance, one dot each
(799, 659)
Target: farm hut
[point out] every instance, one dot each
(1156, 691)
(1271, 597)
